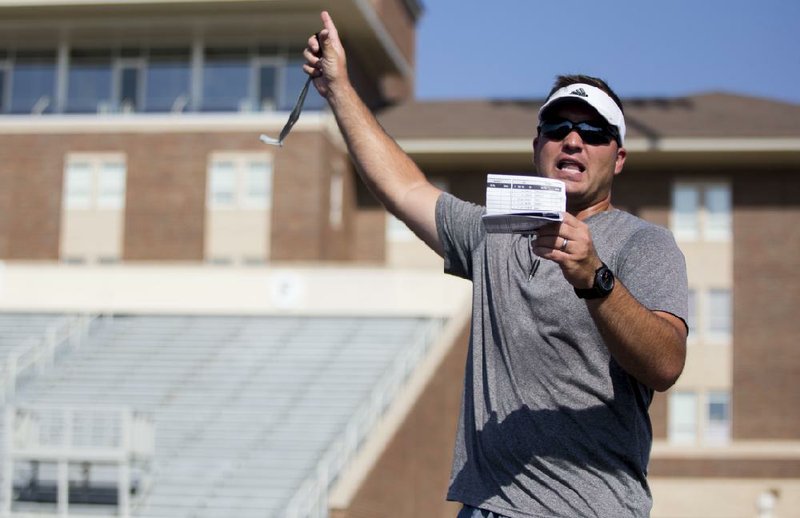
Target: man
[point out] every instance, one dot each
(571, 331)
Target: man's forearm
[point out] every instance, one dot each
(650, 346)
(383, 165)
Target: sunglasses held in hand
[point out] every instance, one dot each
(298, 108)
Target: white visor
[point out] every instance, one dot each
(594, 97)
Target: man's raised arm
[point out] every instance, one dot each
(386, 169)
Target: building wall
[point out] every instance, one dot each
(165, 206)
(399, 23)
(412, 474)
(766, 358)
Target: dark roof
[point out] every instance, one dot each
(709, 115)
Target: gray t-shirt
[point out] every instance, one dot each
(551, 426)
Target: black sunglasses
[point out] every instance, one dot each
(590, 133)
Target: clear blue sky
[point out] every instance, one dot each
(514, 48)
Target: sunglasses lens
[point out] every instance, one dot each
(593, 135)
(556, 130)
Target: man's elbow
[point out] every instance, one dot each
(666, 379)
(668, 373)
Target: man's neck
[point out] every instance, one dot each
(584, 212)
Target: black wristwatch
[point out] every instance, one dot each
(603, 284)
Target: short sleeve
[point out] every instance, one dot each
(460, 230)
(653, 269)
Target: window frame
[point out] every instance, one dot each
(703, 230)
(241, 169)
(96, 162)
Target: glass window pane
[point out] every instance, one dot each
(2, 89)
(129, 90)
(167, 81)
(258, 184)
(293, 80)
(719, 312)
(222, 190)
(33, 83)
(78, 186)
(718, 207)
(111, 186)
(683, 417)
(89, 82)
(268, 87)
(685, 215)
(718, 417)
(226, 77)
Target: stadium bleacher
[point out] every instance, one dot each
(243, 407)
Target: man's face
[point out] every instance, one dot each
(586, 169)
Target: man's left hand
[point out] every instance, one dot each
(569, 244)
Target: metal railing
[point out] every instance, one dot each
(311, 499)
(90, 436)
(36, 354)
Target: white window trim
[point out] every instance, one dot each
(241, 170)
(701, 233)
(96, 162)
(701, 418)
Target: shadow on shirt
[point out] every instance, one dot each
(569, 461)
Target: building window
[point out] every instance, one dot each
(79, 185)
(719, 314)
(142, 79)
(267, 97)
(33, 82)
(682, 418)
(257, 189)
(167, 80)
(718, 418)
(688, 426)
(222, 185)
(89, 81)
(95, 182)
(240, 182)
(3, 89)
(226, 77)
(130, 85)
(93, 215)
(237, 224)
(701, 211)
(294, 79)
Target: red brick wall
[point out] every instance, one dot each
(166, 190)
(412, 474)
(399, 24)
(766, 327)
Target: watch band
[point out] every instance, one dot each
(603, 284)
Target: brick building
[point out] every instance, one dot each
(129, 137)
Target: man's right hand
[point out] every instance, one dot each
(325, 58)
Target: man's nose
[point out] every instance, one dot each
(573, 140)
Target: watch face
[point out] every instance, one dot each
(605, 279)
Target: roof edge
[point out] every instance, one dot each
(671, 144)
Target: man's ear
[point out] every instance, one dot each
(622, 154)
